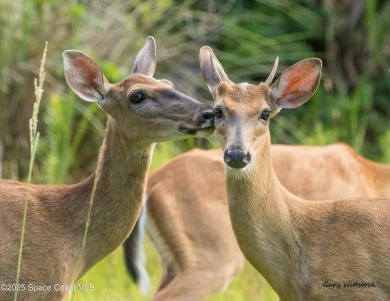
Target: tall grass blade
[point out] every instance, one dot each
(34, 138)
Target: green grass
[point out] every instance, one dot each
(111, 282)
(249, 285)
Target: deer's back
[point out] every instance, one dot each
(323, 172)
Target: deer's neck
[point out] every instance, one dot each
(262, 212)
(120, 185)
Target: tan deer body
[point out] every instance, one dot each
(298, 245)
(185, 222)
(187, 214)
(141, 110)
(329, 172)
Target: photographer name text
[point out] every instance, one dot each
(349, 284)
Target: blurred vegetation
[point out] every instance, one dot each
(352, 37)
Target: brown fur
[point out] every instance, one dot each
(56, 220)
(183, 220)
(57, 214)
(298, 245)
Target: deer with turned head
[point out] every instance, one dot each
(141, 111)
(298, 245)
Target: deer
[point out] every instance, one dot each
(334, 249)
(141, 111)
(193, 233)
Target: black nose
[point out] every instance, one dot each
(208, 114)
(236, 157)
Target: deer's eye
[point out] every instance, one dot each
(265, 115)
(218, 113)
(137, 97)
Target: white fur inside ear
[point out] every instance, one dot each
(88, 94)
(84, 76)
(277, 90)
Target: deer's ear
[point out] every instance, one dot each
(84, 76)
(297, 84)
(212, 69)
(145, 63)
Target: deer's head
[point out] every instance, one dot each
(243, 111)
(143, 108)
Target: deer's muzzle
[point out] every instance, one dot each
(236, 157)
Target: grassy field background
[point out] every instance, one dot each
(351, 105)
(112, 282)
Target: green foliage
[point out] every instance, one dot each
(351, 104)
(329, 118)
(67, 122)
(58, 119)
(384, 141)
(246, 36)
